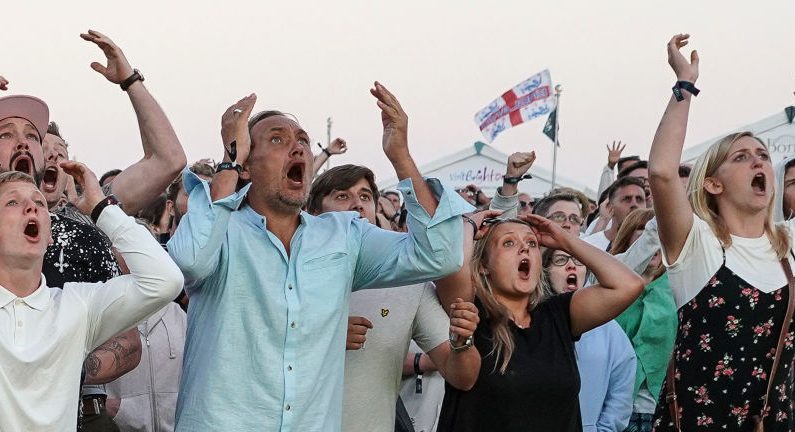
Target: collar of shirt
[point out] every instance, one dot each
(38, 300)
(261, 221)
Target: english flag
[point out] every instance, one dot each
(531, 98)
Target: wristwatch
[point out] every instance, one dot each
(467, 344)
(223, 166)
(136, 76)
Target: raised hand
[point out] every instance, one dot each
(614, 154)
(117, 68)
(92, 192)
(548, 233)
(234, 127)
(464, 320)
(684, 70)
(481, 219)
(386, 207)
(338, 146)
(395, 121)
(519, 163)
(3, 83)
(357, 331)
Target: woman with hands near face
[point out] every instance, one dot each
(528, 378)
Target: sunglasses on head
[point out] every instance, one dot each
(524, 204)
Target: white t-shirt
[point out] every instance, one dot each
(598, 239)
(752, 259)
(373, 373)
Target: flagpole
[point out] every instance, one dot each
(558, 91)
(328, 140)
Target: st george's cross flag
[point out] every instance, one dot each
(529, 99)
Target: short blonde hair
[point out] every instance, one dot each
(16, 176)
(705, 205)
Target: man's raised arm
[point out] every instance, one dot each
(141, 183)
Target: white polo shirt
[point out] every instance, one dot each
(46, 336)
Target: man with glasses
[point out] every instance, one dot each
(564, 209)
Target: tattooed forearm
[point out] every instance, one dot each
(114, 358)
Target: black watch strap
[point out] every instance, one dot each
(224, 166)
(136, 76)
(108, 200)
(418, 373)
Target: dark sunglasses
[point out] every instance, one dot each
(524, 204)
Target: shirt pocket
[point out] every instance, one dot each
(331, 260)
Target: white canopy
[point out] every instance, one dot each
(777, 131)
(484, 166)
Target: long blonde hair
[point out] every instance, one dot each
(705, 205)
(497, 315)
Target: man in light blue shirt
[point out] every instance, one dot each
(269, 284)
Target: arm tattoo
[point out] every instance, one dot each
(93, 364)
(121, 354)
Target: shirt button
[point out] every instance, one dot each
(287, 407)
(290, 286)
(19, 301)
(289, 368)
(19, 323)
(292, 324)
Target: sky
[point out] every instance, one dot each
(444, 60)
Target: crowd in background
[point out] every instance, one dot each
(261, 292)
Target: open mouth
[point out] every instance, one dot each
(22, 162)
(524, 269)
(759, 183)
(50, 179)
(296, 173)
(32, 230)
(571, 282)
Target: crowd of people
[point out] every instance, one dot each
(259, 293)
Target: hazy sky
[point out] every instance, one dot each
(444, 60)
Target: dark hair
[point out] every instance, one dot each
(338, 178)
(53, 129)
(543, 205)
(684, 170)
(627, 159)
(111, 173)
(622, 182)
(154, 211)
(640, 164)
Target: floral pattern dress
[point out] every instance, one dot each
(723, 355)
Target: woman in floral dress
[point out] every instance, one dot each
(725, 271)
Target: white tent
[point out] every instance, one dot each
(777, 131)
(484, 166)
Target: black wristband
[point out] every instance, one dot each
(684, 85)
(136, 76)
(224, 166)
(108, 200)
(232, 150)
(471, 222)
(328, 153)
(516, 180)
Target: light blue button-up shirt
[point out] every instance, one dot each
(265, 347)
